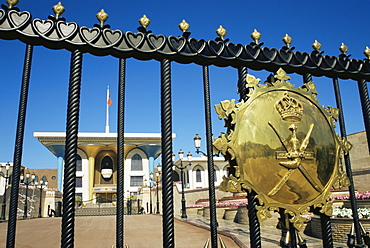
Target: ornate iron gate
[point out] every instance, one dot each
(100, 40)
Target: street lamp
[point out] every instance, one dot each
(43, 182)
(150, 192)
(182, 168)
(3, 206)
(157, 175)
(27, 182)
(197, 140)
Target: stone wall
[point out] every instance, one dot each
(340, 228)
(360, 161)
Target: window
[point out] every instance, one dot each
(198, 176)
(136, 163)
(78, 163)
(107, 163)
(136, 181)
(78, 181)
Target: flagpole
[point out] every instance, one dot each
(107, 112)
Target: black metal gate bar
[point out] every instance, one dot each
(365, 104)
(242, 89)
(327, 239)
(293, 236)
(211, 174)
(69, 182)
(166, 127)
(17, 162)
(347, 161)
(120, 154)
(254, 224)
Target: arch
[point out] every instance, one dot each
(105, 159)
(136, 167)
(198, 176)
(175, 176)
(78, 162)
(136, 163)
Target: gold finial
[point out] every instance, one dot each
(144, 21)
(256, 36)
(316, 46)
(221, 32)
(184, 26)
(58, 10)
(12, 3)
(343, 48)
(287, 40)
(367, 52)
(102, 17)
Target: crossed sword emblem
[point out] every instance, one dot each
(295, 152)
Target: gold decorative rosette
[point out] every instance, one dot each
(281, 143)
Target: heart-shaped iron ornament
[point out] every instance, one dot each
(234, 49)
(135, 39)
(156, 41)
(43, 27)
(269, 54)
(285, 56)
(299, 58)
(252, 51)
(67, 29)
(90, 34)
(197, 45)
(177, 43)
(328, 62)
(283, 146)
(18, 19)
(112, 36)
(216, 47)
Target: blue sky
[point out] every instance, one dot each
(329, 22)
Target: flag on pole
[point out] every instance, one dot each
(109, 101)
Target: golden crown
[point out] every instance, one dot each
(289, 108)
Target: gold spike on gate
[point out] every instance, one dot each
(207, 244)
(222, 243)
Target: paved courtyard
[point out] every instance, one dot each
(141, 231)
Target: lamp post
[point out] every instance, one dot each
(150, 192)
(182, 168)
(43, 182)
(157, 175)
(3, 206)
(27, 182)
(211, 189)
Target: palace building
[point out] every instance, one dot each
(96, 166)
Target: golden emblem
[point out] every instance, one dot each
(283, 146)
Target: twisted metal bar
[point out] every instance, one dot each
(211, 176)
(365, 104)
(12, 219)
(69, 183)
(242, 89)
(254, 225)
(327, 238)
(120, 154)
(166, 126)
(307, 78)
(347, 161)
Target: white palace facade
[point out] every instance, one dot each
(96, 167)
